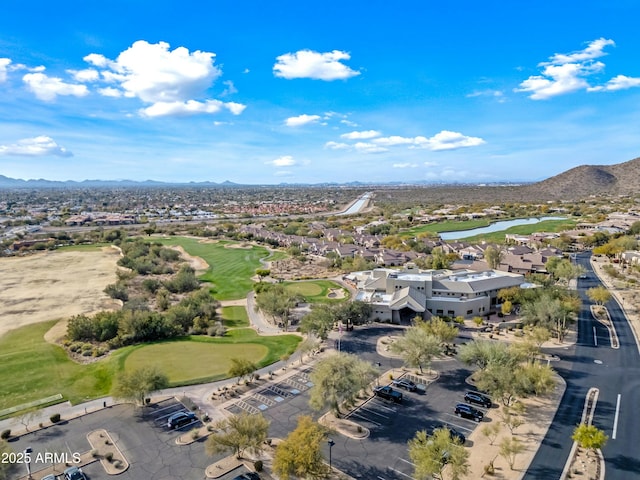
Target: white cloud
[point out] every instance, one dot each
(566, 73)
(190, 107)
(430, 164)
(318, 66)
(4, 64)
(593, 50)
(35, 147)
(86, 75)
(301, 120)
(497, 94)
(349, 123)
(365, 147)
(284, 161)
(172, 82)
(397, 140)
(283, 173)
(230, 90)
(446, 140)
(337, 146)
(48, 88)
(405, 165)
(620, 82)
(360, 135)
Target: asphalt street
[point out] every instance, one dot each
(592, 362)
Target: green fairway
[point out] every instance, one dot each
(317, 291)
(543, 226)
(230, 269)
(193, 362)
(235, 316)
(33, 369)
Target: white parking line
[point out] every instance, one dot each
(356, 414)
(401, 473)
(380, 404)
(595, 337)
(407, 461)
(461, 418)
(374, 412)
(457, 427)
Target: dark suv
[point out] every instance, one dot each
(388, 393)
(453, 433)
(477, 399)
(179, 419)
(467, 411)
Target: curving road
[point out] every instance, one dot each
(592, 362)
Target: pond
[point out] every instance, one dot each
(494, 227)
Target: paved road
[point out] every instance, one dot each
(616, 373)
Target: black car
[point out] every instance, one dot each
(453, 433)
(406, 384)
(478, 399)
(248, 476)
(467, 411)
(179, 419)
(388, 393)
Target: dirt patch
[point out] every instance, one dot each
(57, 284)
(294, 269)
(197, 263)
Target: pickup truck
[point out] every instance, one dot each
(388, 393)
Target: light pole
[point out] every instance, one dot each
(331, 443)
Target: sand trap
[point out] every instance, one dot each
(57, 284)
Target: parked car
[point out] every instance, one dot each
(406, 384)
(467, 411)
(248, 476)
(478, 399)
(388, 393)
(179, 419)
(49, 477)
(74, 473)
(453, 433)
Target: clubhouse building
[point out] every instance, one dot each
(400, 295)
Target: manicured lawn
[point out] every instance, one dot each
(316, 291)
(447, 226)
(543, 226)
(230, 269)
(235, 316)
(33, 369)
(193, 362)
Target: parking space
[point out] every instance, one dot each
(160, 413)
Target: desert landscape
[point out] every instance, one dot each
(55, 284)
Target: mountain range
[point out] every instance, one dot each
(578, 182)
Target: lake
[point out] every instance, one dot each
(494, 227)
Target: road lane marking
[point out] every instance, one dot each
(401, 473)
(615, 418)
(374, 412)
(595, 337)
(407, 461)
(356, 414)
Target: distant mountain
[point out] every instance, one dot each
(587, 180)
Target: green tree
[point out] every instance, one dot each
(417, 347)
(510, 448)
(432, 454)
(506, 307)
(300, 454)
(238, 434)
(137, 385)
(600, 295)
(308, 345)
(493, 256)
(338, 379)
(319, 321)
(241, 368)
(589, 437)
(436, 326)
(277, 302)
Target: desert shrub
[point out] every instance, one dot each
(257, 465)
(5, 434)
(55, 418)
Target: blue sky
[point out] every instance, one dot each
(289, 91)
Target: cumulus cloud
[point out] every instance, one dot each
(284, 161)
(318, 66)
(444, 140)
(35, 147)
(48, 88)
(361, 135)
(568, 72)
(301, 120)
(190, 107)
(620, 82)
(86, 75)
(172, 82)
(337, 146)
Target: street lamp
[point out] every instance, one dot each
(331, 443)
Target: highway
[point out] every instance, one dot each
(592, 362)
